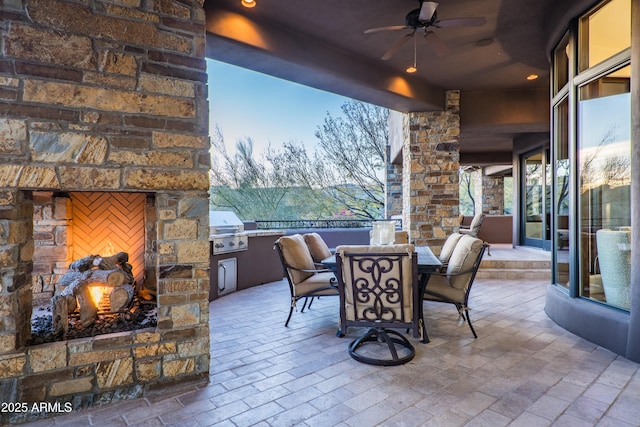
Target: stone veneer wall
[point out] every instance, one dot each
(394, 188)
(52, 238)
(493, 195)
(105, 95)
(431, 161)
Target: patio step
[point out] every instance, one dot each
(514, 273)
(519, 264)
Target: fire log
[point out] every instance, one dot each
(112, 271)
(82, 264)
(111, 262)
(73, 279)
(120, 298)
(88, 308)
(62, 306)
(78, 287)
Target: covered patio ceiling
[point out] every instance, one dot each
(322, 44)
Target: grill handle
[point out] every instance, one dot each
(224, 277)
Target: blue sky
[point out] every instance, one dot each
(269, 110)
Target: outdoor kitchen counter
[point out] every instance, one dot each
(257, 265)
(260, 233)
(263, 233)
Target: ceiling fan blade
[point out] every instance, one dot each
(427, 10)
(388, 28)
(436, 44)
(461, 22)
(396, 47)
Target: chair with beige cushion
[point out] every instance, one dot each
(317, 247)
(453, 286)
(448, 247)
(474, 227)
(378, 290)
(319, 252)
(305, 279)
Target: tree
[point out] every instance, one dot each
(242, 184)
(350, 161)
(343, 176)
(467, 189)
(261, 189)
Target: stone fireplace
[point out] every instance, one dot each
(103, 98)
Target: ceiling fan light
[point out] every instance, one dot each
(248, 3)
(412, 69)
(427, 10)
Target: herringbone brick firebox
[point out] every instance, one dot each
(70, 226)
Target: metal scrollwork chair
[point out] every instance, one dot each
(305, 279)
(453, 285)
(378, 288)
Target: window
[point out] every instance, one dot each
(561, 195)
(604, 156)
(561, 65)
(591, 201)
(604, 33)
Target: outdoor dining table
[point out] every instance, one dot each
(427, 264)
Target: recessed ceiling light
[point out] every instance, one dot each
(532, 76)
(248, 3)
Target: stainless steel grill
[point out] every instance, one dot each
(226, 232)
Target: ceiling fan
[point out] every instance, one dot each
(424, 18)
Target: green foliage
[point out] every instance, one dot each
(343, 177)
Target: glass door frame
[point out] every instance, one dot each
(545, 241)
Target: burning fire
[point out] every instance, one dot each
(97, 293)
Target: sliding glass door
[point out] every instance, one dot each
(535, 199)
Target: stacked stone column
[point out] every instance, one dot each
(394, 188)
(492, 195)
(431, 161)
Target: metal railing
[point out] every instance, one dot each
(317, 223)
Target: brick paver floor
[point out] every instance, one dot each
(523, 370)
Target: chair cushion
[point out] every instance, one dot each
(297, 255)
(401, 237)
(438, 284)
(317, 247)
(462, 259)
(476, 222)
(317, 281)
(407, 273)
(447, 248)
